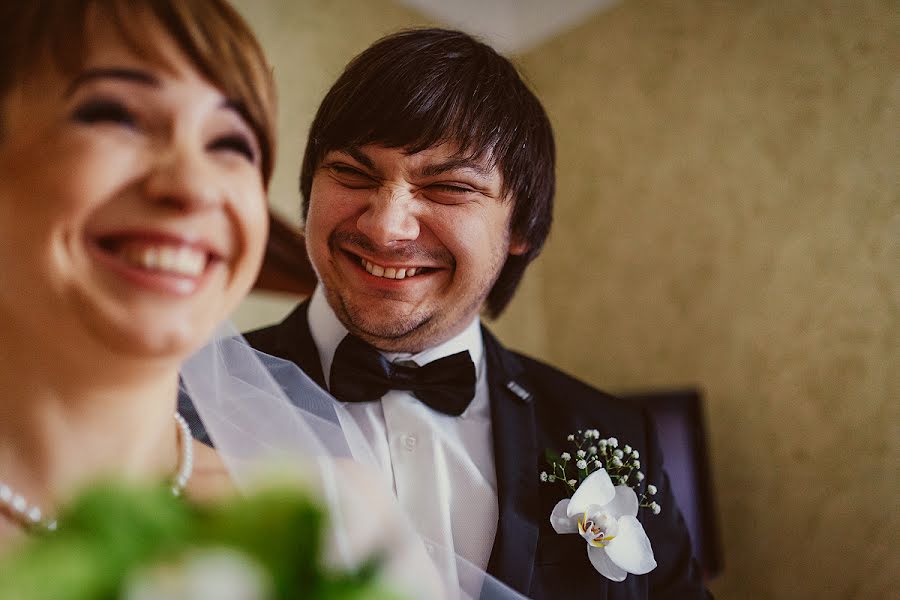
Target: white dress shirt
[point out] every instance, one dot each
(441, 467)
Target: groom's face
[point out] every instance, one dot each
(407, 246)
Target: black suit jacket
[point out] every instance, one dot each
(534, 407)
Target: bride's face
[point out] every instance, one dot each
(132, 207)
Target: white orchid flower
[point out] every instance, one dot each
(606, 517)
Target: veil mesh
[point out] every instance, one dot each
(265, 416)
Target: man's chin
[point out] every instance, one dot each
(393, 332)
(389, 328)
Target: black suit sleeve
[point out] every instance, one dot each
(677, 575)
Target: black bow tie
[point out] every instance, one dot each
(359, 373)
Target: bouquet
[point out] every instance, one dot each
(117, 542)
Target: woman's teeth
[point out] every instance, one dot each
(167, 259)
(388, 272)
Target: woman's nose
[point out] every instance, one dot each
(389, 217)
(181, 180)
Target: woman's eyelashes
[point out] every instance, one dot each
(112, 112)
(238, 143)
(101, 111)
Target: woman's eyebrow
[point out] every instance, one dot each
(118, 73)
(240, 108)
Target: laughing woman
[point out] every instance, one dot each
(136, 144)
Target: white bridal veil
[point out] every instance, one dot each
(265, 416)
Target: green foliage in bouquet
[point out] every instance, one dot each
(134, 543)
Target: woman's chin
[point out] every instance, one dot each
(167, 336)
(141, 326)
(176, 344)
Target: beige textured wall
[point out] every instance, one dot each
(729, 216)
(308, 43)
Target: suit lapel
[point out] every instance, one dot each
(515, 455)
(294, 342)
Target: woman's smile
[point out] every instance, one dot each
(159, 261)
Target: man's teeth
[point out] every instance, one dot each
(177, 261)
(388, 272)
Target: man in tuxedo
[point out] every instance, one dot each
(428, 184)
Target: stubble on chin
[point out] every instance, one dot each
(397, 332)
(390, 332)
(410, 333)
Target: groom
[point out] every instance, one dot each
(428, 186)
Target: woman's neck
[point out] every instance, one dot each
(61, 429)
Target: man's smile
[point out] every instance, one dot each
(390, 272)
(401, 264)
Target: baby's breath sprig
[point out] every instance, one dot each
(591, 453)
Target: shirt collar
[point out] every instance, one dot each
(327, 332)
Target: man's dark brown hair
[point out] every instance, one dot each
(422, 87)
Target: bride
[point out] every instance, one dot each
(136, 146)
(136, 143)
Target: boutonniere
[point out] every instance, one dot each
(601, 480)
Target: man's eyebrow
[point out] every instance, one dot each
(453, 164)
(119, 73)
(359, 156)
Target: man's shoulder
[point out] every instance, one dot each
(547, 376)
(273, 339)
(264, 338)
(562, 397)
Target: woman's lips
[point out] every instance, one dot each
(164, 263)
(175, 260)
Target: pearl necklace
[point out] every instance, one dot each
(32, 517)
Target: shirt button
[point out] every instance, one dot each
(429, 547)
(409, 442)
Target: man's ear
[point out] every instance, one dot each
(518, 246)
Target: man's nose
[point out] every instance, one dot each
(180, 178)
(390, 217)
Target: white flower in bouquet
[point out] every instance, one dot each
(220, 573)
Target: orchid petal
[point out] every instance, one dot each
(625, 503)
(604, 565)
(560, 521)
(631, 549)
(596, 490)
